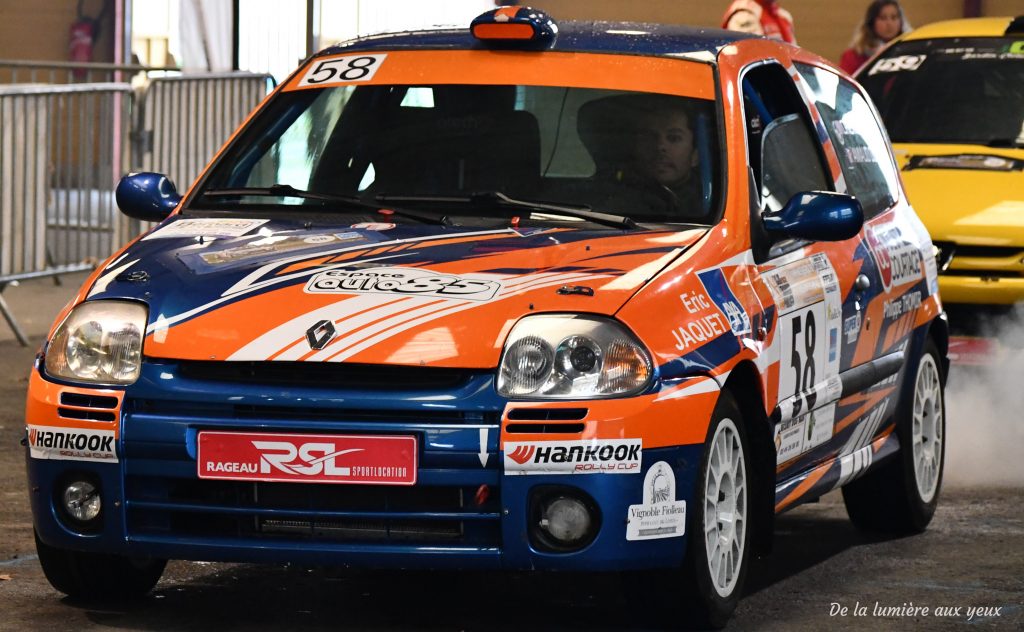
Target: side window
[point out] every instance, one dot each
(784, 155)
(859, 142)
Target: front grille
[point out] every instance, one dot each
(987, 262)
(326, 374)
(995, 252)
(984, 274)
(319, 512)
(200, 411)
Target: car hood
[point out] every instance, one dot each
(969, 194)
(377, 293)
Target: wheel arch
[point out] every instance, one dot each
(744, 383)
(939, 332)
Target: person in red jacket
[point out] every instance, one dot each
(762, 17)
(883, 21)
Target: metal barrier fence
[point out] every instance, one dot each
(63, 148)
(59, 72)
(211, 106)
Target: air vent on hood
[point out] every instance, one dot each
(326, 374)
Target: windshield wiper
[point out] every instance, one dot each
(287, 190)
(499, 198)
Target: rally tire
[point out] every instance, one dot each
(98, 576)
(719, 543)
(900, 496)
(695, 596)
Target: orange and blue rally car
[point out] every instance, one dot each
(527, 295)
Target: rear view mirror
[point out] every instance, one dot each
(147, 196)
(818, 216)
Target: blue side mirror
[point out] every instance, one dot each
(147, 196)
(817, 215)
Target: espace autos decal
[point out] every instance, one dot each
(595, 456)
(401, 281)
(71, 444)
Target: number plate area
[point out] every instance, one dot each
(307, 458)
(808, 297)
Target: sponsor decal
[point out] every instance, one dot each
(374, 225)
(71, 444)
(718, 289)
(227, 254)
(789, 439)
(596, 456)
(408, 281)
(207, 227)
(898, 64)
(353, 459)
(797, 436)
(799, 284)
(899, 261)
(699, 330)
(901, 305)
(820, 426)
(660, 515)
(851, 328)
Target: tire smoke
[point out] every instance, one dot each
(985, 409)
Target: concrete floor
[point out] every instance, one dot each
(971, 557)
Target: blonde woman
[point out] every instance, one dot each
(883, 21)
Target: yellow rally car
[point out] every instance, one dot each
(952, 97)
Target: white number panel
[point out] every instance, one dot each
(807, 296)
(339, 70)
(804, 349)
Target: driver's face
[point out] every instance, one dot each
(665, 147)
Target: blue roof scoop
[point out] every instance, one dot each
(515, 27)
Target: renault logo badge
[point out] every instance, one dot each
(320, 334)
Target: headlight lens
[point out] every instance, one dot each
(99, 342)
(571, 357)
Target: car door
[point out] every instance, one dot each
(904, 273)
(820, 289)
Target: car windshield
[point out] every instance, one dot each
(647, 153)
(956, 90)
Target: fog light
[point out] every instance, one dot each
(82, 501)
(567, 520)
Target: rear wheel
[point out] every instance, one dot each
(98, 575)
(901, 495)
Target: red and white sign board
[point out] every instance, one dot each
(306, 458)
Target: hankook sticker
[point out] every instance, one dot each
(71, 444)
(595, 456)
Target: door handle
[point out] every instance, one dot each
(862, 283)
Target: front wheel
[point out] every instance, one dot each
(900, 496)
(706, 590)
(716, 563)
(98, 575)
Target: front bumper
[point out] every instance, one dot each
(155, 505)
(981, 290)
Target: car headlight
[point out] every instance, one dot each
(99, 342)
(555, 356)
